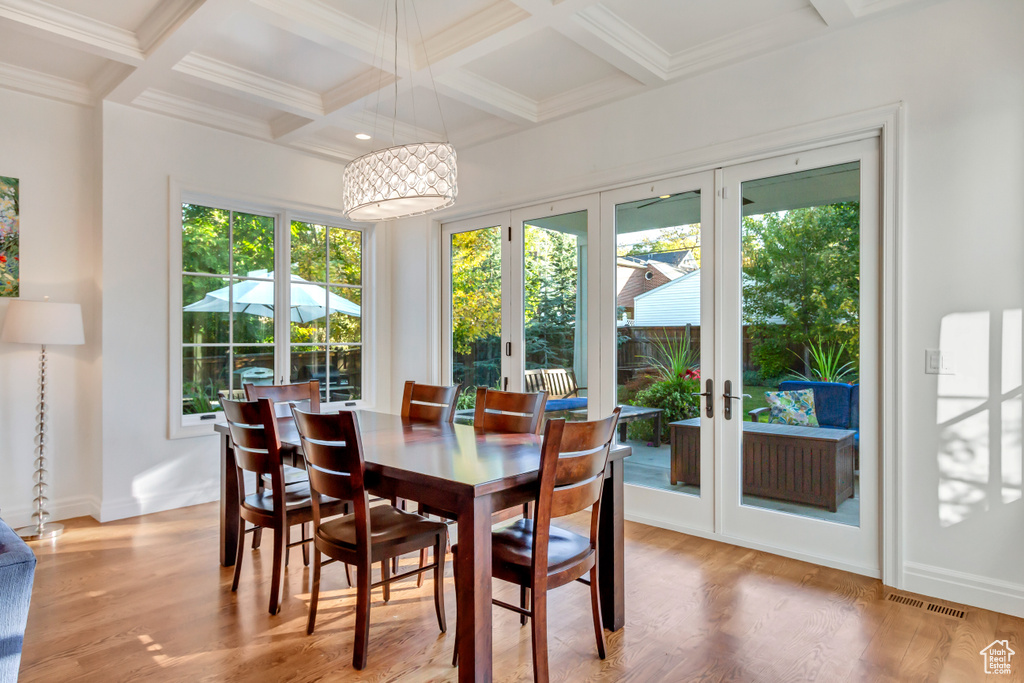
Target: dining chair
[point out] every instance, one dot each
(507, 411)
(538, 556)
(257, 446)
(334, 459)
(284, 393)
(428, 403)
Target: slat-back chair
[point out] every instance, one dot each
(507, 411)
(334, 459)
(538, 556)
(285, 393)
(257, 447)
(430, 403)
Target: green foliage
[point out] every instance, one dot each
(9, 238)
(802, 267)
(197, 399)
(551, 268)
(772, 356)
(673, 357)
(827, 364)
(675, 397)
(668, 239)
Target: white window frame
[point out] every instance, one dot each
(186, 426)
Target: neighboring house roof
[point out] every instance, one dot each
(681, 259)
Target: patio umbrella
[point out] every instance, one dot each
(256, 297)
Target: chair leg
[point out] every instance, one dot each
(314, 593)
(239, 553)
(539, 622)
(305, 546)
(280, 557)
(455, 576)
(595, 600)
(287, 540)
(385, 575)
(524, 602)
(362, 642)
(439, 582)
(348, 575)
(257, 536)
(423, 563)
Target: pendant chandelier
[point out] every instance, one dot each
(401, 180)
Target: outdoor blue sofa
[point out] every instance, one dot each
(836, 405)
(563, 393)
(17, 569)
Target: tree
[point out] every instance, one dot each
(802, 281)
(476, 306)
(550, 294)
(668, 239)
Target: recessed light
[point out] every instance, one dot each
(362, 136)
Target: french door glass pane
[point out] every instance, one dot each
(801, 342)
(554, 315)
(658, 323)
(476, 310)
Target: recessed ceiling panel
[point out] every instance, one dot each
(53, 59)
(677, 26)
(126, 14)
(256, 46)
(457, 115)
(434, 15)
(542, 65)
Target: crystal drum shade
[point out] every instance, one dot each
(406, 180)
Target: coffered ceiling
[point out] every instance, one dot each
(309, 74)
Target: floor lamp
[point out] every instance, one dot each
(42, 323)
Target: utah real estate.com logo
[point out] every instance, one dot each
(997, 657)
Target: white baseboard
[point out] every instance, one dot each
(754, 545)
(963, 588)
(179, 498)
(65, 508)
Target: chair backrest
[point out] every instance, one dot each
(286, 393)
(430, 403)
(333, 451)
(507, 411)
(535, 381)
(573, 458)
(257, 443)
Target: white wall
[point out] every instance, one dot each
(143, 471)
(49, 147)
(959, 68)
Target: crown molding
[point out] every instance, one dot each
(163, 21)
(368, 82)
(835, 13)
(324, 25)
(326, 150)
(611, 30)
(45, 85)
(252, 85)
(613, 87)
(459, 37)
(197, 112)
(75, 30)
(483, 93)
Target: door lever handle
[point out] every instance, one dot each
(728, 396)
(709, 398)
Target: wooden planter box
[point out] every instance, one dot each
(798, 464)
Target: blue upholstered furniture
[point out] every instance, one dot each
(563, 394)
(17, 569)
(836, 405)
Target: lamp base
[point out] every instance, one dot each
(39, 532)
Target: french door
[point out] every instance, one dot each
(700, 304)
(515, 287)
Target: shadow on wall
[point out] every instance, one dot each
(978, 411)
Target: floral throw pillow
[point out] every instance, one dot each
(792, 407)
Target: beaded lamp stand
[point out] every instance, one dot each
(42, 529)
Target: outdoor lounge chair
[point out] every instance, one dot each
(563, 394)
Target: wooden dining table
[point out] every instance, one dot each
(469, 474)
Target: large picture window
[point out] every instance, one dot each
(237, 269)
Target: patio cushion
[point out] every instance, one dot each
(792, 407)
(831, 401)
(565, 404)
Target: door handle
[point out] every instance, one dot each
(709, 397)
(508, 348)
(505, 385)
(727, 408)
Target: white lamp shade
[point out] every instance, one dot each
(43, 322)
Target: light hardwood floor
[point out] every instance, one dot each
(145, 599)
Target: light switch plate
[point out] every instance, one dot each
(937, 363)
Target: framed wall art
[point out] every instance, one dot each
(9, 237)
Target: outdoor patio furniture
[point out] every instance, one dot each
(629, 414)
(836, 405)
(563, 393)
(811, 465)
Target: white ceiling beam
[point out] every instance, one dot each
(477, 91)
(608, 37)
(45, 85)
(613, 87)
(835, 13)
(250, 85)
(191, 27)
(73, 30)
(202, 113)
